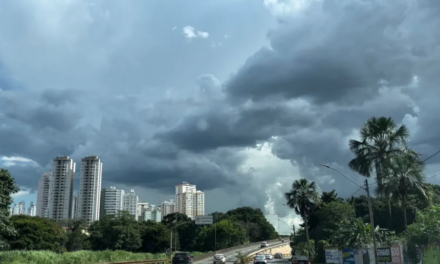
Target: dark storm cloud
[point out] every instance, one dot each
(328, 68)
(236, 128)
(327, 55)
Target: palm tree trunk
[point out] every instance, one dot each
(306, 226)
(390, 214)
(404, 215)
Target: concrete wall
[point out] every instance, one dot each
(283, 248)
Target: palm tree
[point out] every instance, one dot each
(404, 175)
(303, 197)
(379, 139)
(353, 233)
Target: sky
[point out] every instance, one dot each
(240, 97)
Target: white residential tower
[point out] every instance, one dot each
(61, 188)
(43, 195)
(89, 195)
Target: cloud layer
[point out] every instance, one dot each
(285, 93)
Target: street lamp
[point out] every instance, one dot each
(370, 206)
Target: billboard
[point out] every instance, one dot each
(384, 255)
(396, 254)
(204, 220)
(331, 256)
(348, 256)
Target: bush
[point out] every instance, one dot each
(78, 257)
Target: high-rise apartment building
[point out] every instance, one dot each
(89, 195)
(111, 201)
(130, 203)
(156, 215)
(190, 201)
(142, 206)
(32, 210)
(61, 188)
(19, 209)
(152, 213)
(168, 207)
(43, 194)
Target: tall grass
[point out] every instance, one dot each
(79, 257)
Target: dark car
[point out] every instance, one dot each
(299, 259)
(182, 258)
(278, 256)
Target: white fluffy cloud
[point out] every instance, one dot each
(191, 33)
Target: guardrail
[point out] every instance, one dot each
(268, 248)
(197, 258)
(211, 254)
(150, 261)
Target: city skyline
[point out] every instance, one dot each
(57, 200)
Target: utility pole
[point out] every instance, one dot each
(171, 239)
(370, 206)
(370, 209)
(215, 235)
(175, 237)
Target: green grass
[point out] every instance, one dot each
(79, 257)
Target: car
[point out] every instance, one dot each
(219, 259)
(300, 259)
(264, 244)
(278, 256)
(260, 259)
(268, 256)
(182, 258)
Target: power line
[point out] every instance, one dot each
(355, 192)
(421, 161)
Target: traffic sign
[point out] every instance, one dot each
(169, 252)
(204, 220)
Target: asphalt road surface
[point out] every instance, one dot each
(230, 256)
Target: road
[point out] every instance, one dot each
(230, 256)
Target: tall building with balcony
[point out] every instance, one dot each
(168, 207)
(130, 203)
(43, 194)
(190, 201)
(32, 210)
(61, 188)
(89, 195)
(111, 201)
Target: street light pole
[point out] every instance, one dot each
(370, 207)
(215, 236)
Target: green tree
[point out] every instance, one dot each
(379, 140)
(120, 232)
(77, 238)
(7, 188)
(173, 218)
(229, 234)
(330, 216)
(315, 218)
(425, 230)
(403, 174)
(155, 237)
(37, 233)
(303, 198)
(255, 223)
(353, 233)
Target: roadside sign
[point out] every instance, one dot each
(169, 252)
(204, 220)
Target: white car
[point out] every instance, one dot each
(264, 244)
(219, 259)
(268, 256)
(260, 259)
